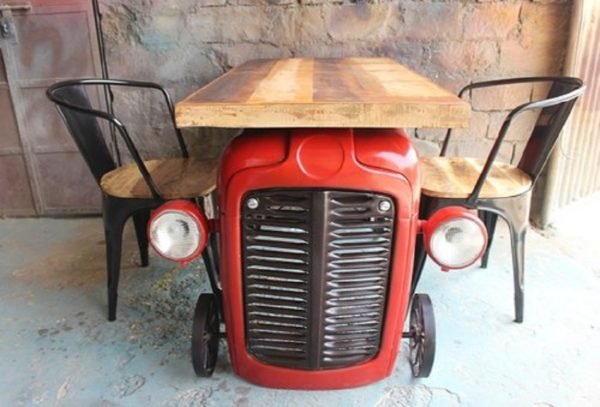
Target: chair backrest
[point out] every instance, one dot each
(555, 110)
(548, 126)
(83, 127)
(81, 119)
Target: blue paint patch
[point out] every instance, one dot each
(157, 42)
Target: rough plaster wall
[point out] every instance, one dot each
(184, 44)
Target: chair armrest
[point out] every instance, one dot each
(136, 84)
(537, 104)
(114, 121)
(515, 81)
(137, 158)
(148, 85)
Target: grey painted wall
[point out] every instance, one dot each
(184, 44)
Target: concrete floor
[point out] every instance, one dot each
(57, 348)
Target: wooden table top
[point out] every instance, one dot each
(329, 92)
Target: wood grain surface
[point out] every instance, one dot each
(455, 177)
(176, 178)
(327, 92)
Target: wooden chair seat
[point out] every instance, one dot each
(176, 178)
(455, 177)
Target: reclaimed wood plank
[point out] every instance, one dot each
(325, 92)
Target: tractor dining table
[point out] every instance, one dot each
(318, 213)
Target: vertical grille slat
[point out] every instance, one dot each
(316, 265)
(360, 239)
(276, 277)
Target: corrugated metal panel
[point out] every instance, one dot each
(579, 153)
(580, 163)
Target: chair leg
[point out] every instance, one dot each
(140, 221)
(518, 258)
(489, 220)
(113, 232)
(515, 211)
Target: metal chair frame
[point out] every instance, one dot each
(555, 110)
(81, 120)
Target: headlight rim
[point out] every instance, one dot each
(189, 209)
(445, 215)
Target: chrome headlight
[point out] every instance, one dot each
(178, 231)
(455, 237)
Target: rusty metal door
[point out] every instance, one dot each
(41, 171)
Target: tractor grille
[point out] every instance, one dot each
(315, 269)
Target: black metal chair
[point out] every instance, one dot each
(497, 189)
(133, 189)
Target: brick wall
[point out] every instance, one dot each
(184, 44)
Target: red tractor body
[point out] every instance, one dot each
(317, 233)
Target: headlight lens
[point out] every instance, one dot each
(455, 237)
(178, 231)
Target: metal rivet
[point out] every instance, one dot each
(385, 206)
(252, 203)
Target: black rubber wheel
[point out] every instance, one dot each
(422, 338)
(205, 335)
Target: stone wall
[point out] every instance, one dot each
(184, 44)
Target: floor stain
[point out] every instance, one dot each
(130, 385)
(191, 398)
(63, 390)
(77, 262)
(166, 280)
